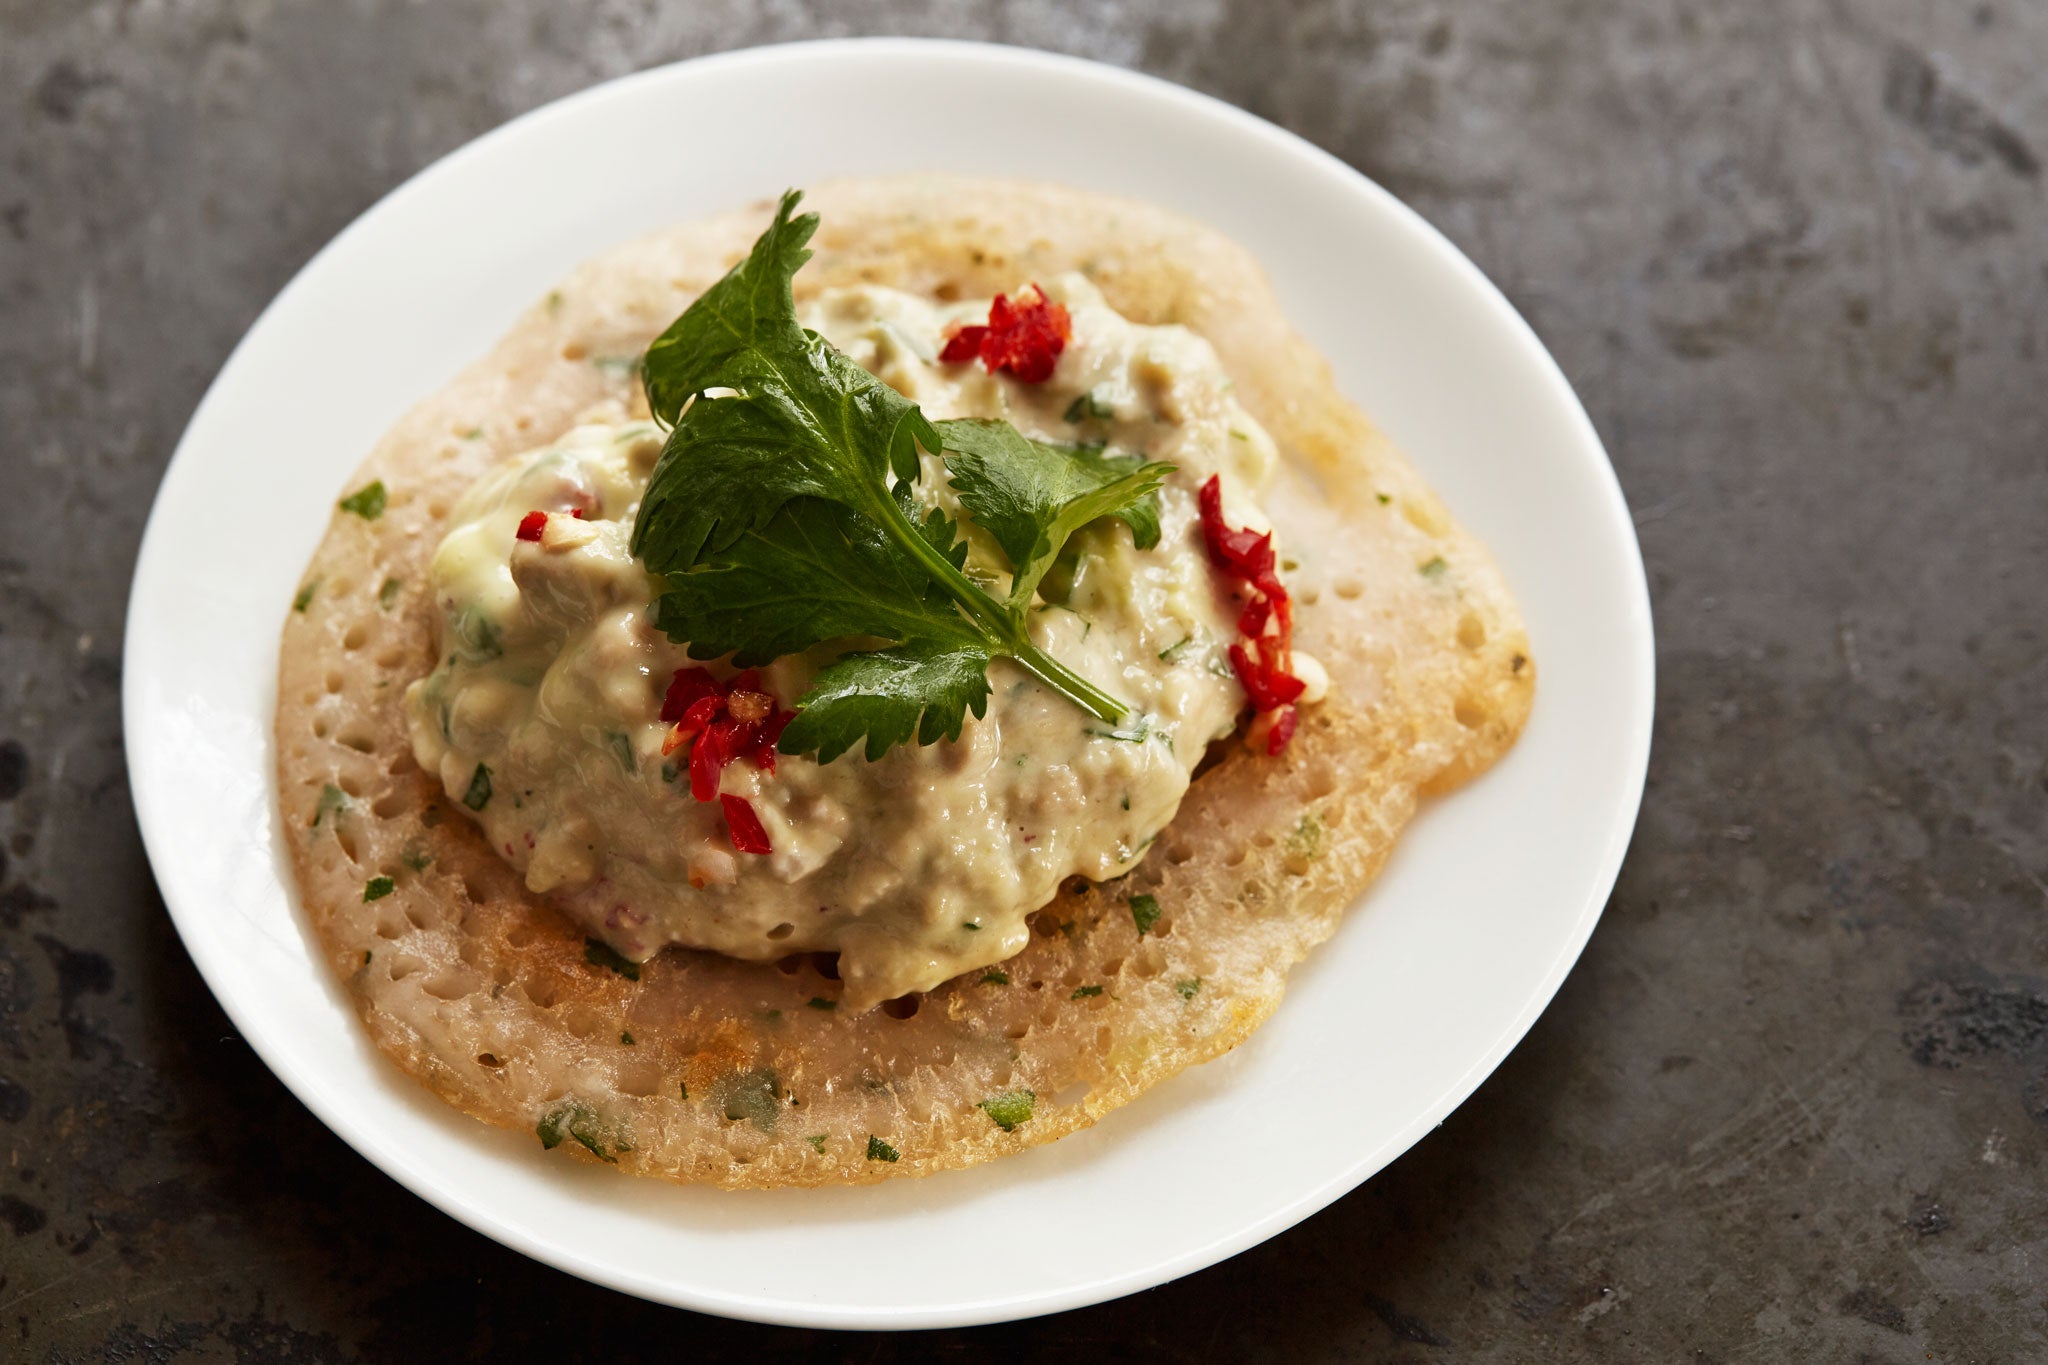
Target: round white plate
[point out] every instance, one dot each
(1422, 992)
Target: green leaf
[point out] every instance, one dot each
(922, 688)
(879, 1150)
(994, 977)
(1083, 992)
(415, 858)
(305, 596)
(598, 953)
(782, 515)
(1144, 913)
(817, 1141)
(1033, 495)
(479, 794)
(1188, 987)
(1010, 1108)
(366, 502)
(377, 888)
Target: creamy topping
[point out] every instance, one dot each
(543, 717)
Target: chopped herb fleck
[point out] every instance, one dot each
(1179, 647)
(1135, 733)
(1127, 800)
(366, 957)
(305, 597)
(1237, 435)
(580, 1122)
(1384, 498)
(819, 1002)
(598, 953)
(1083, 992)
(1188, 987)
(1144, 913)
(366, 502)
(993, 977)
(879, 1150)
(1010, 1108)
(554, 301)
(332, 800)
(817, 1141)
(683, 1089)
(971, 926)
(377, 888)
(670, 772)
(627, 1039)
(416, 859)
(751, 1096)
(1086, 406)
(1434, 568)
(622, 750)
(387, 593)
(479, 794)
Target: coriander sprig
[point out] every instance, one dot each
(782, 514)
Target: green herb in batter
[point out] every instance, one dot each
(598, 953)
(1144, 913)
(1188, 987)
(993, 977)
(1010, 1108)
(479, 794)
(305, 596)
(579, 1121)
(377, 888)
(819, 1002)
(366, 502)
(879, 1150)
(784, 514)
(627, 1039)
(1086, 406)
(387, 593)
(817, 1141)
(332, 800)
(1083, 992)
(1434, 568)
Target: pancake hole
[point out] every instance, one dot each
(791, 965)
(308, 698)
(575, 350)
(388, 805)
(350, 784)
(1310, 596)
(354, 637)
(1470, 713)
(1178, 853)
(362, 741)
(542, 993)
(948, 291)
(320, 727)
(404, 965)
(903, 1006)
(401, 763)
(390, 924)
(826, 965)
(391, 658)
(1018, 1032)
(1423, 518)
(782, 931)
(334, 680)
(488, 1059)
(1471, 630)
(1322, 780)
(519, 937)
(1348, 587)
(345, 835)
(449, 985)
(1044, 923)
(640, 1079)
(437, 509)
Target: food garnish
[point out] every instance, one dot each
(784, 513)
(1024, 338)
(1267, 619)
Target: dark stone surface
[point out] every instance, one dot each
(1793, 1103)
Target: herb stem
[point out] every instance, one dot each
(990, 615)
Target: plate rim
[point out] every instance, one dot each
(1182, 101)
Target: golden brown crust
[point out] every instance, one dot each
(481, 992)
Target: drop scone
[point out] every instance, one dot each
(844, 697)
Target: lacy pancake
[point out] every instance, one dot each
(778, 738)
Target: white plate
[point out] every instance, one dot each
(1421, 993)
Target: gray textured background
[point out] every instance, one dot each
(1793, 1103)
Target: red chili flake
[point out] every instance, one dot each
(1268, 688)
(1247, 557)
(689, 685)
(531, 524)
(771, 733)
(1024, 337)
(1283, 729)
(744, 826)
(577, 512)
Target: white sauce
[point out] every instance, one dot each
(913, 868)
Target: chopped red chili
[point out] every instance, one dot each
(1266, 620)
(1283, 729)
(531, 525)
(1023, 336)
(689, 685)
(744, 826)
